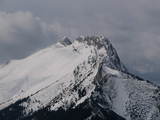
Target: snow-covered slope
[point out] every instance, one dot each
(50, 68)
(86, 75)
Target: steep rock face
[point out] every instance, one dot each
(83, 80)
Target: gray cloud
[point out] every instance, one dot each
(21, 34)
(133, 26)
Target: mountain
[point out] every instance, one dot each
(82, 79)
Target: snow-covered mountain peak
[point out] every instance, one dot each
(79, 80)
(103, 47)
(112, 59)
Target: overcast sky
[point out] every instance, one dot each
(132, 25)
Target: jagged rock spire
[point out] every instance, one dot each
(66, 41)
